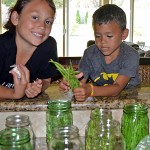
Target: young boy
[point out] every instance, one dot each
(110, 64)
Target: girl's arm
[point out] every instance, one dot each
(19, 84)
(6, 93)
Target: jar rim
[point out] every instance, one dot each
(100, 112)
(58, 104)
(14, 136)
(19, 120)
(70, 131)
(135, 107)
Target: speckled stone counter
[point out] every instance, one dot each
(37, 104)
(141, 95)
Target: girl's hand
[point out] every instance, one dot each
(20, 83)
(33, 89)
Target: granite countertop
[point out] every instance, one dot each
(141, 95)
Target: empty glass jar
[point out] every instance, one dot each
(15, 139)
(21, 121)
(66, 138)
(97, 116)
(58, 114)
(103, 133)
(93, 128)
(119, 139)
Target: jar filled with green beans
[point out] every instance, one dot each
(134, 124)
(58, 114)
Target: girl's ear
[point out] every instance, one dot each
(14, 18)
(125, 34)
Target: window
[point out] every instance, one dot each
(126, 5)
(5, 5)
(137, 19)
(72, 28)
(141, 23)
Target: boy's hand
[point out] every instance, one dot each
(64, 85)
(80, 75)
(33, 89)
(82, 92)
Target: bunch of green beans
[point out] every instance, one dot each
(68, 73)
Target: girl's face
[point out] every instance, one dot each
(34, 24)
(108, 38)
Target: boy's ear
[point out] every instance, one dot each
(125, 34)
(14, 18)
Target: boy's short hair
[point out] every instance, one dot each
(109, 13)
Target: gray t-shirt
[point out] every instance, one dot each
(93, 65)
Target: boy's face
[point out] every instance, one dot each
(108, 38)
(34, 24)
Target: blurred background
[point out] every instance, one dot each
(72, 28)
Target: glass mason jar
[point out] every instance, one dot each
(58, 114)
(93, 129)
(144, 144)
(21, 121)
(135, 124)
(66, 138)
(15, 139)
(119, 139)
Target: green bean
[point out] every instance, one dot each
(135, 127)
(59, 66)
(68, 73)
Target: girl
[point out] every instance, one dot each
(28, 45)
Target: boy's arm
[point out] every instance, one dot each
(86, 90)
(114, 89)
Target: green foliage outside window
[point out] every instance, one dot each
(9, 3)
(78, 19)
(58, 3)
(86, 18)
